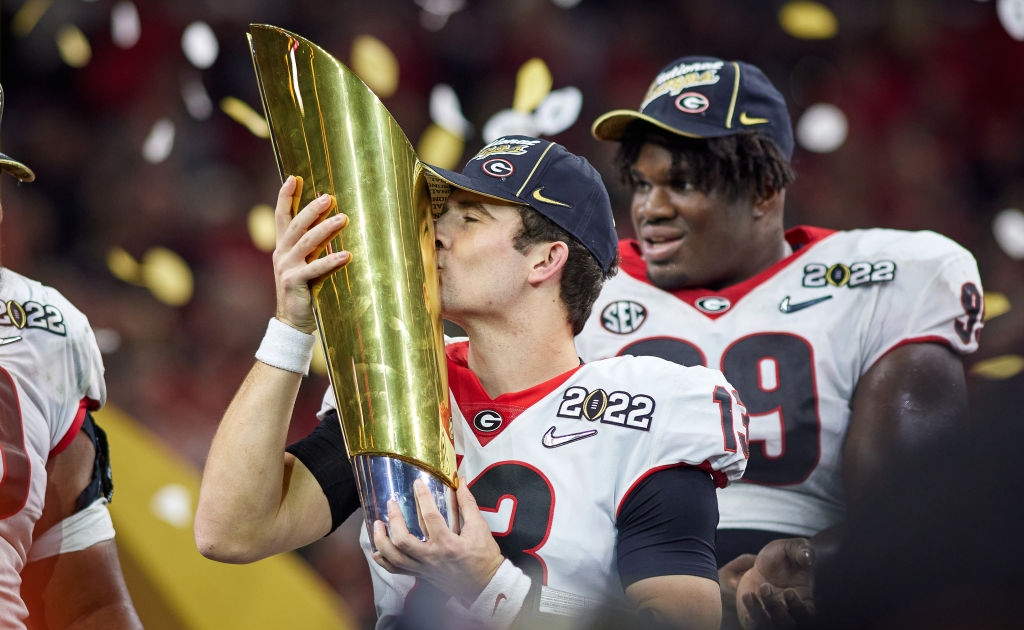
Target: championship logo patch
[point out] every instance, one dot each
(32, 315)
(625, 409)
(498, 167)
(692, 103)
(819, 275)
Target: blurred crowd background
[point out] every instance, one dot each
(137, 179)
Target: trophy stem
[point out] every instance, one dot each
(381, 478)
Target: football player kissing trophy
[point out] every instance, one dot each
(379, 317)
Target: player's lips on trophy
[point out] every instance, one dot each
(659, 243)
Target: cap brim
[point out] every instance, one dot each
(16, 168)
(462, 182)
(612, 125)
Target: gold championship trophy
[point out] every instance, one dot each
(379, 317)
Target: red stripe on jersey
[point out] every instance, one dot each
(84, 405)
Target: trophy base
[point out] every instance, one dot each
(381, 478)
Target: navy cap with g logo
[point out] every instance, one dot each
(9, 164)
(542, 174)
(706, 97)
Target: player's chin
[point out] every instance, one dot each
(668, 275)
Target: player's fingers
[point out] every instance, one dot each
(387, 556)
(396, 521)
(326, 231)
(775, 607)
(294, 227)
(318, 270)
(757, 617)
(802, 610)
(315, 239)
(469, 511)
(731, 573)
(431, 521)
(287, 201)
(407, 543)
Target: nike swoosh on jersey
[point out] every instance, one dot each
(750, 120)
(788, 307)
(539, 197)
(6, 340)
(551, 440)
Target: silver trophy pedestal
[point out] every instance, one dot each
(381, 478)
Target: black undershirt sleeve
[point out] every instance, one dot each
(323, 453)
(102, 482)
(667, 526)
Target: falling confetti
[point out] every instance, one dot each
(507, 122)
(996, 304)
(375, 64)
(1011, 16)
(558, 111)
(123, 266)
(446, 111)
(262, 229)
(172, 504)
(822, 128)
(159, 142)
(440, 147)
(1008, 230)
(199, 43)
(808, 20)
(240, 112)
(197, 100)
(999, 368)
(28, 16)
(167, 276)
(125, 28)
(73, 46)
(533, 83)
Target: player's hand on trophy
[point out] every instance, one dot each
(302, 235)
(778, 591)
(460, 565)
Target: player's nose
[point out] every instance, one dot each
(653, 206)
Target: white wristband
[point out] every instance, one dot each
(286, 348)
(499, 603)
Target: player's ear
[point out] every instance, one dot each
(771, 203)
(548, 260)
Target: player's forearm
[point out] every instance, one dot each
(241, 496)
(678, 601)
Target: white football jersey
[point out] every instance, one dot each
(794, 341)
(51, 371)
(550, 466)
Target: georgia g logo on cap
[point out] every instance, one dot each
(498, 167)
(692, 102)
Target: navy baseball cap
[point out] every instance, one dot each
(9, 164)
(543, 175)
(706, 97)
